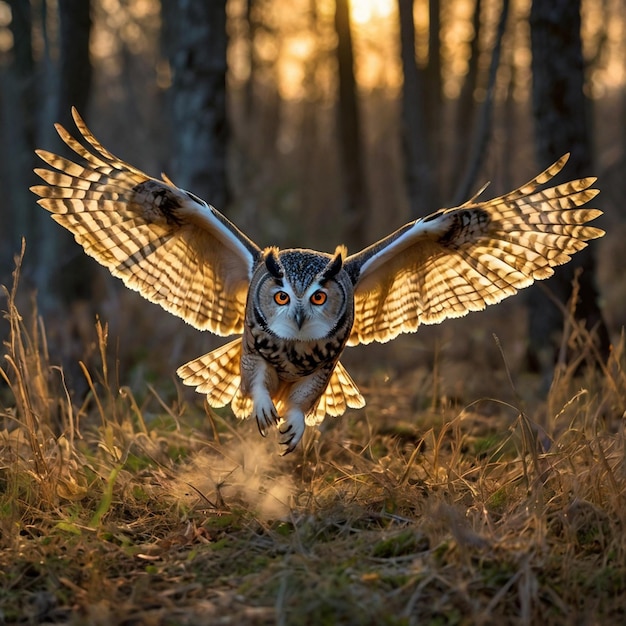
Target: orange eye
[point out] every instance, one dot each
(281, 298)
(318, 298)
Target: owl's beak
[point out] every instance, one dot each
(299, 317)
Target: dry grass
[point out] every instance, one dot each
(114, 511)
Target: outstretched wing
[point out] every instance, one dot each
(162, 241)
(462, 259)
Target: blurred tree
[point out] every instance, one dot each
(466, 102)
(256, 27)
(262, 101)
(483, 129)
(434, 95)
(356, 204)
(74, 63)
(73, 279)
(195, 41)
(561, 114)
(19, 95)
(418, 160)
(61, 71)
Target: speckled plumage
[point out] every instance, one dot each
(296, 310)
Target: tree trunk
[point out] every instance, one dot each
(561, 114)
(253, 26)
(356, 205)
(196, 40)
(64, 272)
(434, 95)
(75, 66)
(17, 159)
(417, 158)
(466, 104)
(484, 126)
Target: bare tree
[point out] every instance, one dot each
(417, 157)
(61, 272)
(74, 65)
(195, 41)
(466, 102)
(433, 78)
(18, 99)
(64, 273)
(355, 198)
(484, 126)
(561, 114)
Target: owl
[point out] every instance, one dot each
(294, 311)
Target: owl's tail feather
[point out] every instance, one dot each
(215, 374)
(340, 394)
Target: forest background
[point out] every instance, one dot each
(321, 124)
(311, 123)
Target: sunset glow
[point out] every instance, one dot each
(364, 11)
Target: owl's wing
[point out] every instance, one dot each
(462, 259)
(162, 241)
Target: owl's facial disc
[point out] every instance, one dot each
(305, 317)
(302, 295)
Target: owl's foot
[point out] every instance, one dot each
(266, 415)
(291, 430)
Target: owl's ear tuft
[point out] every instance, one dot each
(272, 263)
(335, 264)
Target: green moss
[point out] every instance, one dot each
(405, 542)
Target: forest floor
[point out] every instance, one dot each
(124, 506)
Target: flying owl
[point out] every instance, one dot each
(294, 311)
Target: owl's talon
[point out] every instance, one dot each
(287, 439)
(291, 430)
(289, 444)
(288, 450)
(284, 431)
(266, 415)
(261, 428)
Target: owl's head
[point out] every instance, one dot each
(301, 294)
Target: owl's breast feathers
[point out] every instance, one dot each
(294, 359)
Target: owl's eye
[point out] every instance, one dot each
(318, 298)
(281, 298)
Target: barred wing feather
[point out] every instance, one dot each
(462, 259)
(162, 241)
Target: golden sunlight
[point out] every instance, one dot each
(375, 35)
(364, 11)
(6, 36)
